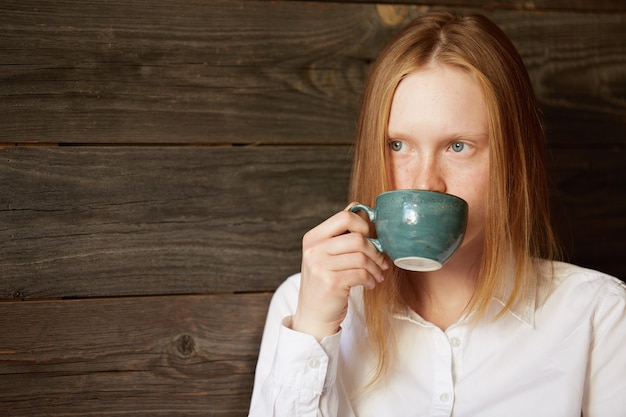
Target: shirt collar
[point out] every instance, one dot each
(523, 309)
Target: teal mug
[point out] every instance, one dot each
(419, 230)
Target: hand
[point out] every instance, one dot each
(336, 256)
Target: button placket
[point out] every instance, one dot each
(455, 342)
(313, 363)
(456, 338)
(443, 398)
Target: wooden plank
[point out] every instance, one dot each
(537, 5)
(589, 202)
(182, 71)
(577, 63)
(156, 356)
(143, 220)
(271, 72)
(103, 221)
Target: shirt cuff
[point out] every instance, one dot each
(302, 362)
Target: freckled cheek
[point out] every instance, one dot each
(477, 213)
(400, 176)
(475, 225)
(392, 173)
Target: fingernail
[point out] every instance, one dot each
(385, 265)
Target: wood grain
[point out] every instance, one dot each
(147, 251)
(183, 71)
(257, 72)
(589, 202)
(538, 5)
(578, 69)
(148, 356)
(103, 221)
(112, 221)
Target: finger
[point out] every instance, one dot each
(349, 206)
(356, 242)
(338, 224)
(355, 277)
(354, 261)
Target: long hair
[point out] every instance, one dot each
(517, 228)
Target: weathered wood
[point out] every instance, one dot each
(252, 71)
(578, 67)
(102, 221)
(589, 202)
(149, 356)
(148, 226)
(536, 5)
(183, 71)
(144, 220)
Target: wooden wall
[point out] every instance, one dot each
(160, 161)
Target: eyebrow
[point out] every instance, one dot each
(452, 136)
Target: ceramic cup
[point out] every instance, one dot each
(419, 230)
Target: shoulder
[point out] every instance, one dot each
(581, 290)
(568, 277)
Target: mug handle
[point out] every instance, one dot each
(372, 216)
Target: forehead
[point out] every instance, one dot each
(439, 100)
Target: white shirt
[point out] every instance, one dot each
(557, 354)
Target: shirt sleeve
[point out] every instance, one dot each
(606, 382)
(295, 374)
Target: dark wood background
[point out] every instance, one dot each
(161, 160)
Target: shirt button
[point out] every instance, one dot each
(313, 363)
(444, 398)
(455, 342)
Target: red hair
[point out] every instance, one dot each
(518, 228)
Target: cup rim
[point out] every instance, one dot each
(399, 190)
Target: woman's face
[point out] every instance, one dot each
(438, 139)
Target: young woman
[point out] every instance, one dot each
(502, 329)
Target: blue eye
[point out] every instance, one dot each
(395, 145)
(457, 146)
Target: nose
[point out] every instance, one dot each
(429, 176)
